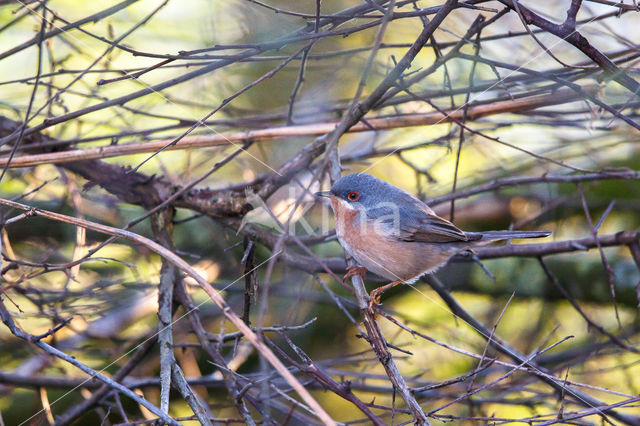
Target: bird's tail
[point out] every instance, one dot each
(505, 235)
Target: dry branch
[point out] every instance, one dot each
(309, 264)
(473, 112)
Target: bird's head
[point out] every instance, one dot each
(359, 190)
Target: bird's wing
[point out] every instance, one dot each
(423, 225)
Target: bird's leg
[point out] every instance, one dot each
(374, 297)
(353, 271)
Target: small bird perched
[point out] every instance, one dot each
(396, 236)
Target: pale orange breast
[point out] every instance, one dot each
(384, 254)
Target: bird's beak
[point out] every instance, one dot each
(323, 194)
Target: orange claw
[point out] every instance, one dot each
(374, 296)
(353, 271)
(374, 299)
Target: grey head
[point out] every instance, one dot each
(361, 188)
(370, 192)
(377, 199)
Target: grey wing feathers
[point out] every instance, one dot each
(422, 225)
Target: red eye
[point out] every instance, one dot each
(353, 196)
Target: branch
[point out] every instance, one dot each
(162, 225)
(474, 111)
(308, 264)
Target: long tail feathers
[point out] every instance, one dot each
(505, 235)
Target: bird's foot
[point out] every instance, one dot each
(374, 296)
(352, 271)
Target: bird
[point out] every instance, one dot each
(393, 234)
